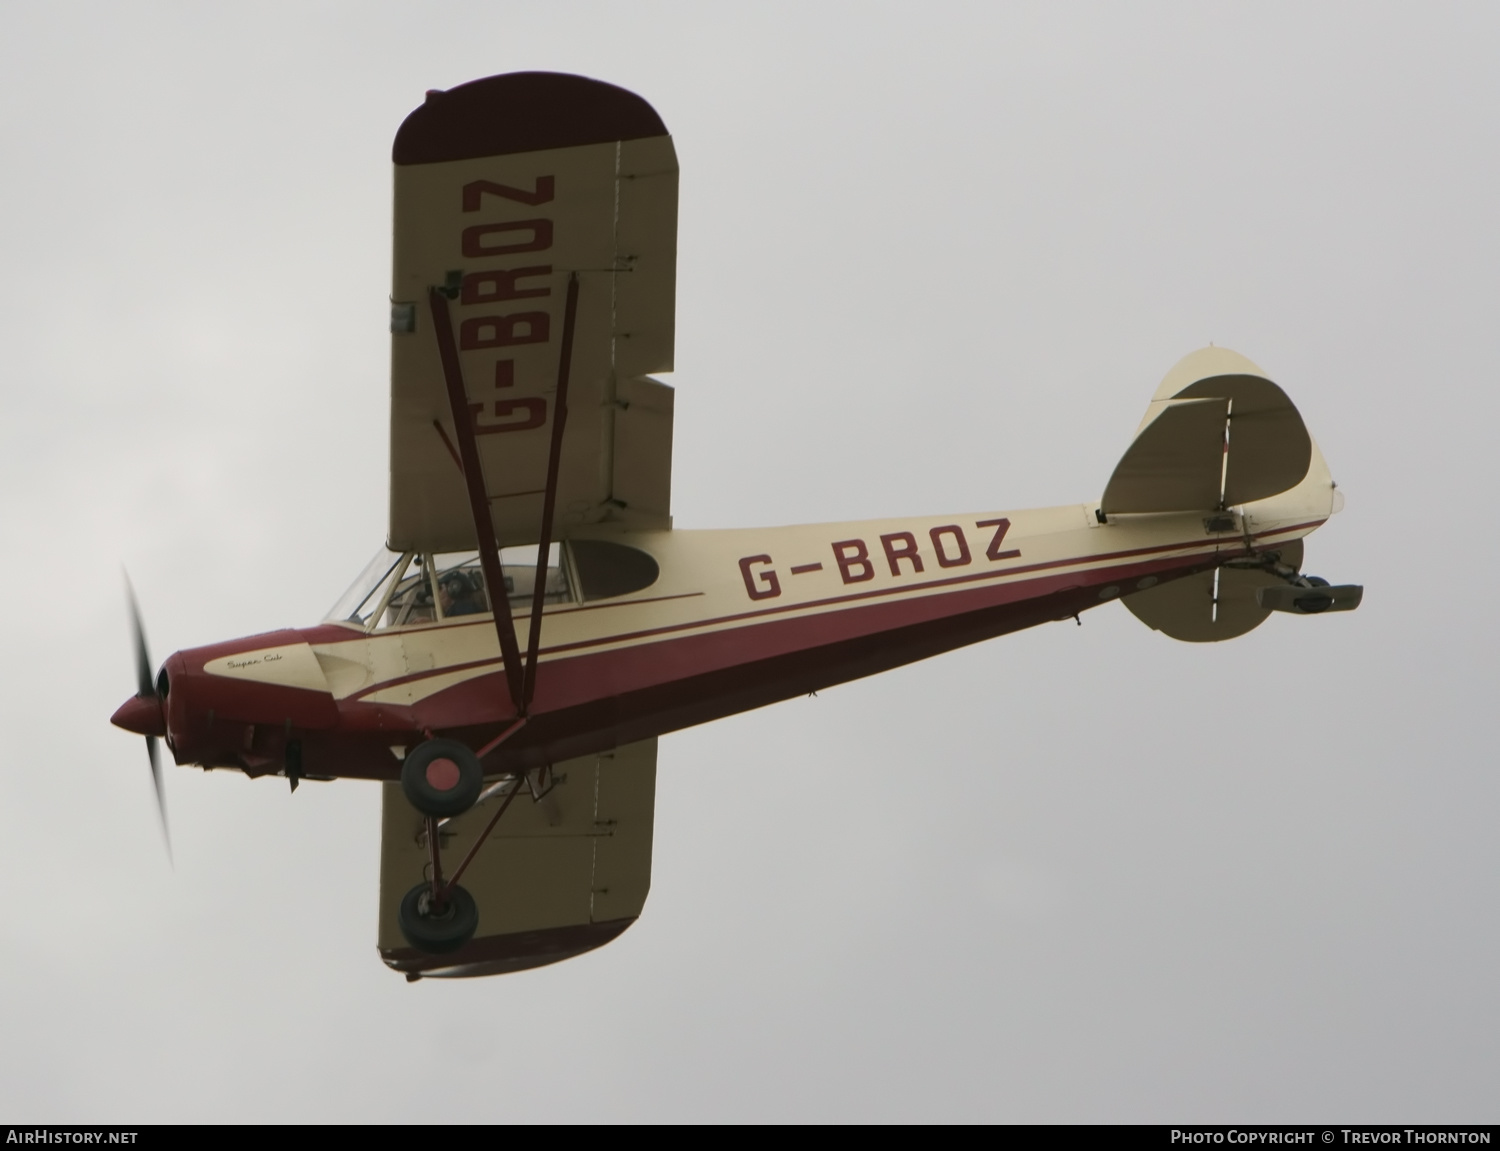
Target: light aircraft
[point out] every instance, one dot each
(505, 665)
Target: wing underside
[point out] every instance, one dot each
(505, 189)
(558, 876)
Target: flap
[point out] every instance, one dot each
(504, 188)
(557, 877)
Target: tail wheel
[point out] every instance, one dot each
(442, 778)
(438, 930)
(1314, 602)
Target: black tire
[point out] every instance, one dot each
(1317, 581)
(438, 934)
(431, 783)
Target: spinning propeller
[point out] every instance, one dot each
(144, 713)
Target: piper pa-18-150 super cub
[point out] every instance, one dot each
(534, 623)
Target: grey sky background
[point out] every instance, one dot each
(932, 257)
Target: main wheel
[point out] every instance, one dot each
(437, 933)
(442, 778)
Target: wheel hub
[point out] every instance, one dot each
(427, 910)
(443, 774)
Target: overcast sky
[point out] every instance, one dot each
(932, 258)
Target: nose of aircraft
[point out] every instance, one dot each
(142, 715)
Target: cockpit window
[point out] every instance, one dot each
(603, 569)
(406, 589)
(518, 565)
(398, 590)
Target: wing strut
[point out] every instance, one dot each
(549, 501)
(479, 504)
(522, 685)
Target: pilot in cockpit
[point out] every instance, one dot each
(459, 595)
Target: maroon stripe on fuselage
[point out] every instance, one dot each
(814, 606)
(818, 605)
(592, 702)
(617, 689)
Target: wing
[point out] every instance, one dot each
(504, 188)
(556, 878)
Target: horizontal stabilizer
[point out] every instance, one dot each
(1218, 434)
(1213, 605)
(1175, 463)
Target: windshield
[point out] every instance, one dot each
(362, 599)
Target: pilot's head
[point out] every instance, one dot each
(453, 587)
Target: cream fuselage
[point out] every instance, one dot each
(737, 619)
